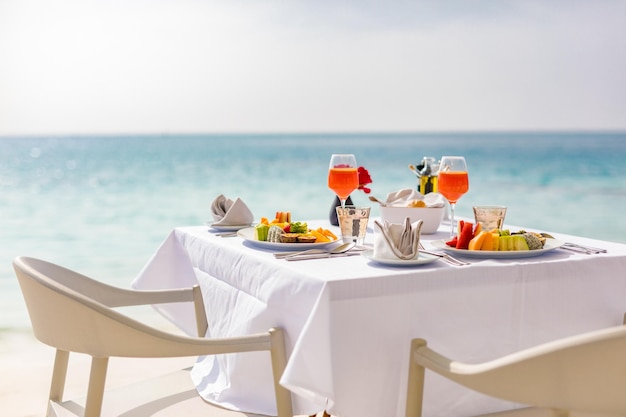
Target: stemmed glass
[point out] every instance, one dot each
(343, 177)
(453, 182)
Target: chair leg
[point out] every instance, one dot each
(201, 320)
(415, 386)
(279, 362)
(59, 374)
(95, 392)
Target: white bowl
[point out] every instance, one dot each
(431, 216)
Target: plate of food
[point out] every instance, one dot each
(249, 235)
(284, 234)
(548, 245)
(422, 259)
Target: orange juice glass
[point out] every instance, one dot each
(343, 181)
(343, 176)
(453, 184)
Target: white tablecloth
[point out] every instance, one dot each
(349, 321)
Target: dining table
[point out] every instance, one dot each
(349, 320)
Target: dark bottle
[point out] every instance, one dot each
(428, 170)
(332, 216)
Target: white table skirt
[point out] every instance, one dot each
(349, 321)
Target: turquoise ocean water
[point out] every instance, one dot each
(103, 204)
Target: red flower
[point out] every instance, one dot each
(364, 179)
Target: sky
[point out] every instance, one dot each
(273, 66)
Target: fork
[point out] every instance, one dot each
(444, 256)
(574, 247)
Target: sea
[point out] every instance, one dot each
(103, 204)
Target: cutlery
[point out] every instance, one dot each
(321, 256)
(339, 249)
(414, 170)
(444, 257)
(589, 250)
(376, 200)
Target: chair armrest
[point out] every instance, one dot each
(429, 359)
(120, 297)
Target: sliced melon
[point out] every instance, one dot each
(477, 241)
(519, 243)
(487, 241)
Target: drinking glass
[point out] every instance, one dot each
(353, 223)
(453, 182)
(490, 217)
(343, 177)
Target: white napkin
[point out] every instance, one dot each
(397, 241)
(402, 198)
(227, 212)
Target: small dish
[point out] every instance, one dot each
(248, 235)
(422, 259)
(228, 227)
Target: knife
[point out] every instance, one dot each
(321, 256)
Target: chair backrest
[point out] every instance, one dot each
(67, 311)
(585, 373)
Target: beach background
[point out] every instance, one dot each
(103, 204)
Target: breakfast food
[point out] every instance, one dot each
(416, 204)
(289, 237)
(261, 231)
(274, 233)
(306, 239)
(283, 230)
(472, 237)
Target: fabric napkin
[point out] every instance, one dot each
(227, 212)
(402, 198)
(396, 240)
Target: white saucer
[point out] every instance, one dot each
(422, 259)
(228, 227)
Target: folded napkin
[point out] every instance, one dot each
(397, 241)
(406, 196)
(227, 212)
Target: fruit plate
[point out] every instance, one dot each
(422, 259)
(548, 246)
(248, 235)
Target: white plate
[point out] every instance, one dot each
(548, 246)
(248, 235)
(422, 258)
(228, 228)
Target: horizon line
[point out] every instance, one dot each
(318, 133)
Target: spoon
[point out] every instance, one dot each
(414, 170)
(339, 249)
(372, 198)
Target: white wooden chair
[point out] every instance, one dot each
(74, 313)
(582, 375)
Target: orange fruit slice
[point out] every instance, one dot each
(487, 242)
(477, 242)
